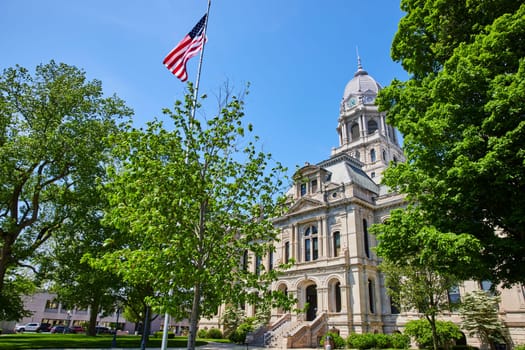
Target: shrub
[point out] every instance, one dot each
(399, 341)
(202, 333)
(158, 334)
(239, 335)
(382, 341)
(339, 342)
(520, 347)
(214, 333)
(421, 331)
(361, 341)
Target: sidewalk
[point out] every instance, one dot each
(209, 346)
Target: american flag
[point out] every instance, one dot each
(189, 46)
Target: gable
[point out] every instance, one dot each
(304, 204)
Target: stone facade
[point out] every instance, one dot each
(335, 276)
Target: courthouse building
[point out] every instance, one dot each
(335, 277)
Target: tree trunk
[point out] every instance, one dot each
(194, 318)
(435, 339)
(5, 257)
(93, 314)
(146, 328)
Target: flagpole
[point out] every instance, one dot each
(164, 344)
(197, 80)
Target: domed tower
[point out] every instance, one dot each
(362, 129)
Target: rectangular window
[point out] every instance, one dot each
(365, 238)
(51, 306)
(394, 308)
(487, 286)
(258, 261)
(313, 186)
(315, 247)
(286, 252)
(245, 261)
(270, 260)
(303, 189)
(307, 250)
(337, 243)
(454, 297)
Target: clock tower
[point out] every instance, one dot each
(362, 129)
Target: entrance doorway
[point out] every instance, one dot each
(311, 299)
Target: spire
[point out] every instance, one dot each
(360, 70)
(359, 66)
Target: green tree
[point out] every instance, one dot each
(53, 126)
(193, 200)
(479, 312)
(75, 281)
(446, 331)
(422, 264)
(461, 114)
(231, 319)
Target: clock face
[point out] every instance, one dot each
(352, 102)
(369, 99)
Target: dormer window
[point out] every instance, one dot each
(313, 186)
(308, 187)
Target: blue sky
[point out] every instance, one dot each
(297, 55)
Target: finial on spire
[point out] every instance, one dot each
(359, 66)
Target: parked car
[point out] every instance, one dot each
(77, 329)
(32, 327)
(44, 327)
(61, 329)
(102, 330)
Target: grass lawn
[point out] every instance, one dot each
(47, 340)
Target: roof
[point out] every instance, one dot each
(346, 169)
(361, 84)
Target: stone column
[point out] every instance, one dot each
(294, 245)
(344, 133)
(327, 236)
(383, 125)
(362, 126)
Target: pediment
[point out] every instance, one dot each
(305, 204)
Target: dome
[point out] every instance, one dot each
(361, 84)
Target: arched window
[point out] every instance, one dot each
(354, 132)
(337, 297)
(372, 126)
(384, 155)
(337, 243)
(311, 244)
(371, 299)
(365, 238)
(372, 155)
(394, 308)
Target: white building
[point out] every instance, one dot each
(335, 275)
